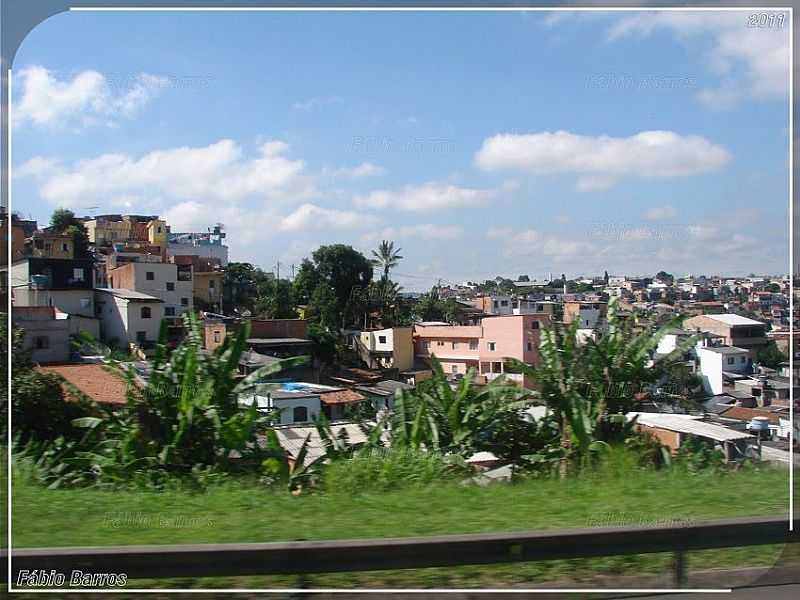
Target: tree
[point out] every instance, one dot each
(306, 281)
(523, 278)
(605, 277)
(342, 268)
(276, 300)
(241, 285)
(664, 277)
(322, 308)
(386, 257)
(770, 356)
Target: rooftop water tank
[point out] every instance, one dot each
(39, 281)
(759, 424)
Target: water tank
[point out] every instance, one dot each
(759, 424)
(39, 282)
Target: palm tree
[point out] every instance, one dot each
(386, 257)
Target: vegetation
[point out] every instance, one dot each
(770, 356)
(63, 220)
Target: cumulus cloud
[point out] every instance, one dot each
(310, 216)
(531, 242)
(424, 231)
(428, 197)
(658, 213)
(753, 61)
(86, 99)
(600, 162)
(219, 171)
(366, 169)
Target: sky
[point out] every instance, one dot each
(482, 144)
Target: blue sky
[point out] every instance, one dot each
(481, 143)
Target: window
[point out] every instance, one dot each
(300, 413)
(216, 337)
(169, 311)
(64, 247)
(540, 308)
(473, 345)
(454, 369)
(455, 345)
(381, 339)
(141, 337)
(504, 303)
(440, 343)
(530, 346)
(742, 360)
(211, 284)
(587, 322)
(497, 367)
(159, 229)
(535, 325)
(150, 276)
(731, 361)
(85, 302)
(491, 346)
(495, 303)
(184, 302)
(146, 312)
(41, 342)
(77, 274)
(170, 286)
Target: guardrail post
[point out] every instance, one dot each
(679, 560)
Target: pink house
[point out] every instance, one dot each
(485, 347)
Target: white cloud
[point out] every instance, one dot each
(702, 232)
(427, 197)
(310, 216)
(86, 99)
(530, 242)
(212, 173)
(599, 162)
(425, 231)
(753, 60)
(658, 213)
(366, 169)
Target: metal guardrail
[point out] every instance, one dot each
(225, 560)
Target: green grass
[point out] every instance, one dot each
(245, 512)
(241, 511)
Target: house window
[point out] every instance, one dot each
(473, 345)
(497, 367)
(65, 247)
(504, 303)
(41, 342)
(141, 337)
(159, 229)
(454, 369)
(211, 284)
(495, 303)
(77, 274)
(742, 360)
(540, 308)
(149, 275)
(535, 325)
(381, 339)
(491, 346)
(731, 361)
(170, 286)
(169, 311)
(184, 302)
(300, 413)
(440, 343)
(455, 345)
(146, 312)
(216, 337)
(530, 347)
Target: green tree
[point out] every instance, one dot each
(322, 309)
(770, 356)
(306, 281)
(241, 286)
(342, 268)
(386, 257)
(276, 300)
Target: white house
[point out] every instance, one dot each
(169, 282)
(128, 318)
(300, 406)
(391, 348)
(718, 360)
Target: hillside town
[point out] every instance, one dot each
(128, 283)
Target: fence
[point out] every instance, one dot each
(225, 560)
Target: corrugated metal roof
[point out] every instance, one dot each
(731, 319)
(688, 424)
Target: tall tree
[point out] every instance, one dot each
(343, 269)
(63, 221)
(276, 300)
(386, 257)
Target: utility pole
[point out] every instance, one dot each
(278, 269)
(292, 271)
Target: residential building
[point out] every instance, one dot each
(104, 230)
(717, 363)
(486, 347)
(735, 330)
(590, 315)
(129, 319)
(171, 283)
(20, 229)
(673, 430)
(46, 244)
(390, 348)
(203, 245)
(208, 277)
(65, 284)
(45, 333)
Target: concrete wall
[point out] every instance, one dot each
(74, 302)
(120, 320)
(134, 276)
(44, 335)
(279, 328)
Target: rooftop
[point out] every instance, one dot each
(129, 294)
(93, 380)
(731, 319)
(688, 424)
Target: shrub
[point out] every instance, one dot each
(383, 469)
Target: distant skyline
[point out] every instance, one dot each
(482, 143)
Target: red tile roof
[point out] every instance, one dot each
(742, 413)
(341, 397)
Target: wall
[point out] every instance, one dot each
(710, 370)
(403, 348)
(55, 331)
(77, 302)
(215, 332)
(286, 406)
(202, 289)
(279, 328)
(205, 251)
(120, 319)
(134, 276)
